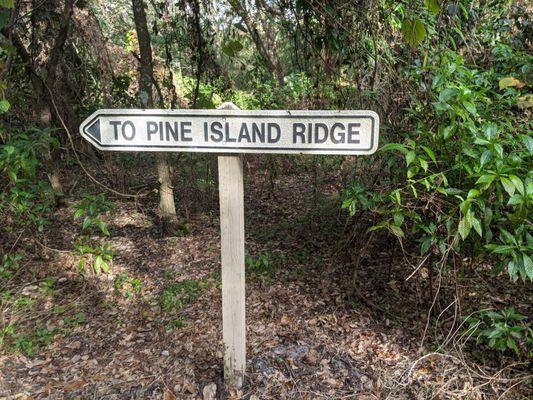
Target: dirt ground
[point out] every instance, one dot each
(152, 328)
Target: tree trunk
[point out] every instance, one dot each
(166, 198)
(146, 71)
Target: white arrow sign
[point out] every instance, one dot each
(234, 131)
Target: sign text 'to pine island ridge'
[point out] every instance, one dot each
(234, 131)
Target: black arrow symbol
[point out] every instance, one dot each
(93, 130)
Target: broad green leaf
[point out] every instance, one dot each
(528, 266)
(232, 48)
(512, 270)
(473, 193)
(448, 131)
(512, 345)
(507, 185)
(410, 157)
(490, 130)
(515, 200)
(4, 106)
(507, 237)
(470, 107)
(8, 149)
(426, 244)
(518, 184)
(477, 226)
(423, 164)
(464, 228)
(453, 191)
(500, 249)
(486, 180)
(448, 93)
(528, 142)
(433, 6)
(396, 230)
(98, 264)
(430, 153)
(498, 149)
(414, 31)
(394, 146)
(86, 223)
(485, 157)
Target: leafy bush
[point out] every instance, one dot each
(27, 197)
(467, 174)
(502, 330)
(92, 206)
(99, 257)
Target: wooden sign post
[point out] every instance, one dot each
(231, 197)
(229, 130)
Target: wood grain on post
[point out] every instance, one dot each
(231, 193)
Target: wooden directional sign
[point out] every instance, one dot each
(234, 131)
(230, 130)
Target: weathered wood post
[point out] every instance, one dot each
(231, 194)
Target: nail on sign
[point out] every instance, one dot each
(234, 131)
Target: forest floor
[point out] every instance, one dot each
(152, 329)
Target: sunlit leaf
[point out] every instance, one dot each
(510, 81)
(414, 31)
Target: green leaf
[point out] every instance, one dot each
(430, 153)
(464, 228)
(394, 146)
(423, 164)
(485, 180)
(528, 266)
(473, 193)
(426, 244)
(485, 157)
(8, 149)
(518, 184)
(410, 157)
(477, 226)
(447, 94)
(86, 223)
(433, 6)
(528, 141)
(470, 107)
(448, 131)
(515, 200)
(414, 31)
(507, 185)
(512, 345)
(232, 48)
(396, 230)
(98, 264)
(4, 106)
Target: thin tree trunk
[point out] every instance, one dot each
(167, 207)
(270, 56)
(166, 193)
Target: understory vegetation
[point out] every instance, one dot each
(428, 242)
